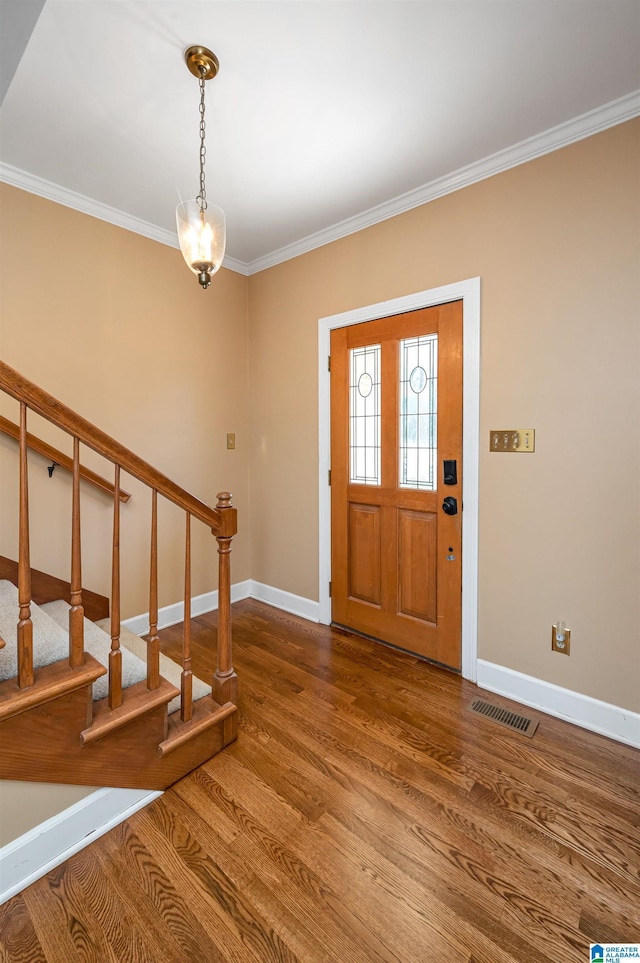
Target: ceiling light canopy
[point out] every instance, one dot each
(201, 226)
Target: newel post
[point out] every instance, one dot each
(225, 681)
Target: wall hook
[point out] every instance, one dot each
(52, 467)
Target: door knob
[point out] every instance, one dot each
(450, 506)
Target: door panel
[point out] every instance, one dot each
(396, 414)
(364, 553)
(417, 538)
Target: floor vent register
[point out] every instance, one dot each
(504, 717)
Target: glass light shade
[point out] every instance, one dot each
(202, 236)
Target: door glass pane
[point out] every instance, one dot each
(364, 415)
(419, 412)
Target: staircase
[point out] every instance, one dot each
(82, 700)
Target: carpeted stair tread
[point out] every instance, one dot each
(50, 642)
(169, 669)
(97, 641)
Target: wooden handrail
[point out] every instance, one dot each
(222, 523)
(36, 444)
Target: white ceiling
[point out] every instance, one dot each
(321, 110)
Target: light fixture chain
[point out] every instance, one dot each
(202, 196)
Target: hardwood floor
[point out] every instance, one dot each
(363, 816)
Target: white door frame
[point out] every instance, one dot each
(469, 292)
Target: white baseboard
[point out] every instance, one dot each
(296, 604)
(623, 725)
(172, 614)
(27, 858)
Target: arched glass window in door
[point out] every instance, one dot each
(418, 446)
(364, 415)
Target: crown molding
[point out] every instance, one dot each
(609, 115)
(86, 205)
(233, 264)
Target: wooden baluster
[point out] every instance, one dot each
(76, 612)
(225, 681)
(25, 626)
(153, 642)
(115, 656)
(186, 703)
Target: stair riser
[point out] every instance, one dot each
(128, 759)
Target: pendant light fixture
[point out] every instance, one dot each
(201, 226)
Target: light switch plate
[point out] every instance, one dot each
(512, 439)
(231, 439)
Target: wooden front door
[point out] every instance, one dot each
(396, 418)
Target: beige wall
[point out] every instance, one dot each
(115, 326)
(25, 805)
(556, 244)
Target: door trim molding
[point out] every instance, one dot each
(468, 292)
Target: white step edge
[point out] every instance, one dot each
(35, 853)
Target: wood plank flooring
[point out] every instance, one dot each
(363, 816)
